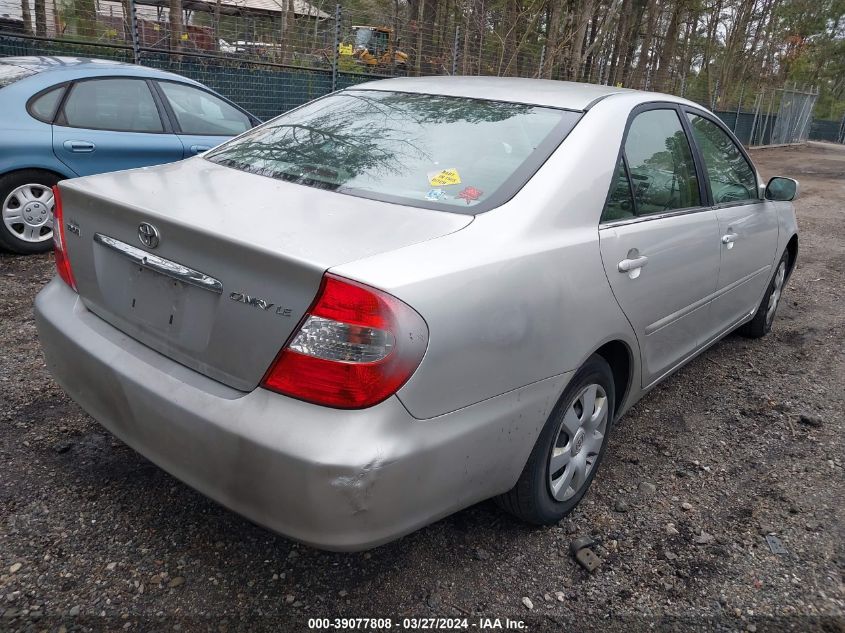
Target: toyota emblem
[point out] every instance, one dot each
(148, 234)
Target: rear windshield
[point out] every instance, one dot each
(432, 151)
(9, 74)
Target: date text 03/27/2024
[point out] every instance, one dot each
(408, 624)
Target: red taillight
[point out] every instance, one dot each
(59, 249)
(354, 348)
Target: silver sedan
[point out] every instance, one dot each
(410, 296)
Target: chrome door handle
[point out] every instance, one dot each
(79, 146)
(729, 238)
(627, 265)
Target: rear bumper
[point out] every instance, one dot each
(343, 480)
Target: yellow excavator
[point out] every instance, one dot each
(374, 46)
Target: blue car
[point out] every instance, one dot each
(62, 117)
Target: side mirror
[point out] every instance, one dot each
(781, 189)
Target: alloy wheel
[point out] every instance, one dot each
(28, 213)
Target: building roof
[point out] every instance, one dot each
(558, 94)
(301, 8)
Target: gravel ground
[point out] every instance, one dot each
(745, 441)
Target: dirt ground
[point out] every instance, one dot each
(743, 442)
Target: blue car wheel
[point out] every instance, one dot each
(27, 211)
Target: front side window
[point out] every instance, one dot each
(121, 105)
(660, 161)
(447, 153)
(731, 177)
(199, 112)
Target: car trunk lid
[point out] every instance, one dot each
(238, 262)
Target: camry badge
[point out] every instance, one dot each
(148, 234)
(257, 302)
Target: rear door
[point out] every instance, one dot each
(748, 224)
(659, 240)
(201, 119)
(113, 123)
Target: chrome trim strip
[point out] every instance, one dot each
(668, 320)
(738, 203)
(654, 216)
(671, 214)
(160, 265)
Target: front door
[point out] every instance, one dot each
(659, 243)
(203, 120)
(748, 224)
(110, 124)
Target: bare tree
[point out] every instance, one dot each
(27, 17)
(667, 52)
(576, 50)
(552, 37)
(40, 18)
(175, 21)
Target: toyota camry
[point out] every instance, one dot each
(411, 295)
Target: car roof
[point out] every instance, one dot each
(567, 95)
(79, 66)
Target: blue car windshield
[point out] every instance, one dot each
(433, 151)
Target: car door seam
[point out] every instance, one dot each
(616, 299)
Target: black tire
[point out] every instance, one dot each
(8, 183)
(761, 324)
(531, 498)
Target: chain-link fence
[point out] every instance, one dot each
(772, 116)
(830, 130)
(271, 55)
(267, 56)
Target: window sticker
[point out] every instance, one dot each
(444, 177)
(435, 195)
(470, 194)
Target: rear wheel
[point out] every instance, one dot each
(569, 450)
(26, 214)
(763, 319)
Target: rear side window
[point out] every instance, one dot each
(660, 163)
(44, 106)
(731, 176)
(199, 112)
(121, 105)
(447, 153)
(620, 203)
